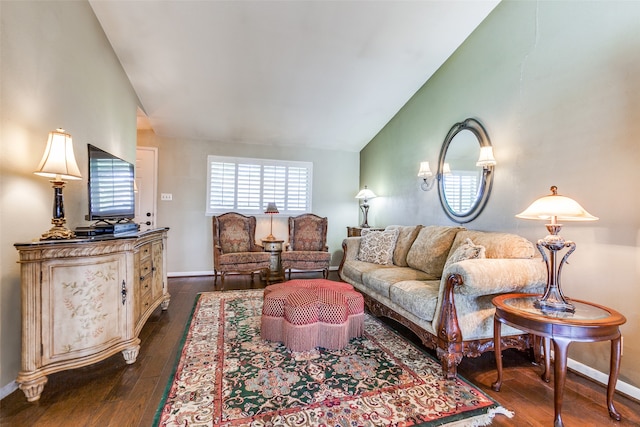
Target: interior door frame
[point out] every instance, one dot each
(154, 186)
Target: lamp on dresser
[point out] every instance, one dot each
(554, 208)
(58, 163)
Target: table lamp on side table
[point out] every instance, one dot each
(555, 208)
(271, 210)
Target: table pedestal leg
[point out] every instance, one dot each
(560, 346)
(614, 368)
(497, 349)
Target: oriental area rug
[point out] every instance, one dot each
(227, 375)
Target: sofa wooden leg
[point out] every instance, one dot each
(449, 362)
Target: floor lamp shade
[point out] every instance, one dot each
(58, 163)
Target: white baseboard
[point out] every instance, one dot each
(602, 378)
(8, 389)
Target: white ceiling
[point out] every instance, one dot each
(325, 74)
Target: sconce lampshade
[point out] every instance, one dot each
(425, 170)
(486, 157)
(58, 160)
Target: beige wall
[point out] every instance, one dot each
(58, 70)
(183, 169)
(557, 86)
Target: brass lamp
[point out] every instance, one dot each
(554, 208)
(58, 163)
(272, 209)
(365, 194)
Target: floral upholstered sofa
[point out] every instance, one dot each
(439, 282)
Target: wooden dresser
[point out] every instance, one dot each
(87, 299)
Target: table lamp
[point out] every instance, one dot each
(365, 194)
(554, 208)
(58, 163)
(272, 209)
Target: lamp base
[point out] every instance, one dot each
(270, 237)
(58, 231)
(554, 306)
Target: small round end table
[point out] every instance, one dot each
(590, 323)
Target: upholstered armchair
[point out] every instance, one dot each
(234, 246)
(307, 247)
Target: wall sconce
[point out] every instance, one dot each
(554, 208)
(272, 209)
(486, 158)
(58, 163)
(365, 194)
(428, 179)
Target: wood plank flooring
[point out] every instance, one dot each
(112, 393)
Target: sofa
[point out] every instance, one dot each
(439, 281)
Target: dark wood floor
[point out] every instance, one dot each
(111, 393)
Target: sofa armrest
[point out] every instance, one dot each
(490, 276)
(351, 246)
(350, 249)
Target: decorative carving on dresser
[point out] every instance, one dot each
(85, 300)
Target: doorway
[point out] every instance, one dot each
(146, 187)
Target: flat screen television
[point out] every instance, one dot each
(111, 190)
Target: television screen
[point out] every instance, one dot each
(111, 191)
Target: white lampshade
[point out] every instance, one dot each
(58, 159)
(486, 157)
(556, 208)
(425, 170)
(446, 169)
(365, 193)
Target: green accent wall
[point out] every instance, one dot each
(557, 86)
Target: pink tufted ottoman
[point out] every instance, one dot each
(304, 314)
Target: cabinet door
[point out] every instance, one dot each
(83, 307)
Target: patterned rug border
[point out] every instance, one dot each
(474, 418)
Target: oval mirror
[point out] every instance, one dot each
(463, 186)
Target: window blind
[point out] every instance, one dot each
(248, 185)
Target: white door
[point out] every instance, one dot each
(146, 184)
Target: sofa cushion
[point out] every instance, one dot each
(406, 236)
(431, 248)
(377, 246)
(354, 269)
(497, 245)
(380, 279)
(419, 297)
(467, 250)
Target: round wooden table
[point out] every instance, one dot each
(590, 323)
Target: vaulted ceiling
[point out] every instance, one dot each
(317, 73)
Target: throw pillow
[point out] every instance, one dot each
(377, 246)
(431, 248)
(406, 236)
(467, 250)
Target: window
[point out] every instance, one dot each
(248, 185)
(461, 189)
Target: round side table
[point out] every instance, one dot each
(590, 323)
